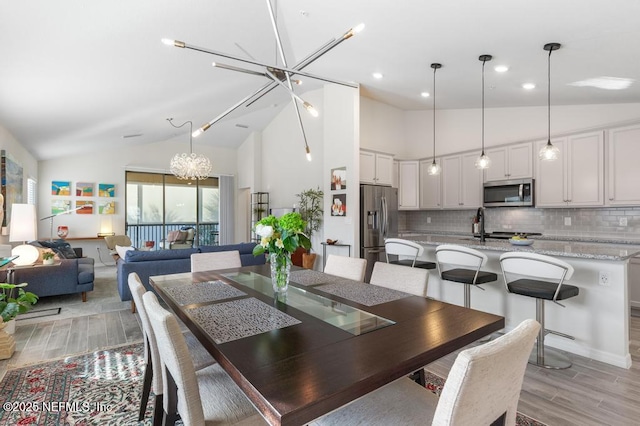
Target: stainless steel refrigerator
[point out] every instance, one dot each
(378, 220)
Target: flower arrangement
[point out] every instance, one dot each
(280, 237)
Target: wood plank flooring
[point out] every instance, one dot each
(589, 393)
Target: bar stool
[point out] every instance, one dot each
(467, 268)
(541, 277)
(400, 247)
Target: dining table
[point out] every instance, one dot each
(323, 343)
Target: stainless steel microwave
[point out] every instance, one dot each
(509, 193)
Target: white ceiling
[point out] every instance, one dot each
(78, 75)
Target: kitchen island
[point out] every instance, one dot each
(598, 317)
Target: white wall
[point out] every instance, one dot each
(382, 127)
(109, 167)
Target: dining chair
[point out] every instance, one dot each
(483, 388)
(400, 247)
(351, 268)
(543, 278)
(200, 357)
(401, 278)
(463, 265)
(215, 260)
(207, 396)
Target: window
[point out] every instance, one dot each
(32, 185)
(159, 203)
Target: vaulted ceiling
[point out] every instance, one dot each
(77, 75)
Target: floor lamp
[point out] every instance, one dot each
(23, 228)
(61, 213)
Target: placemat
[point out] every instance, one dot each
(363, 293)
(236, 319)
(310, 277)
(207, 291)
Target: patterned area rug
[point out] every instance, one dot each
(435, 384)
(99, 388)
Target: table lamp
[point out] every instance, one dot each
(23, 228)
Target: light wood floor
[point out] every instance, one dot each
(589, 393)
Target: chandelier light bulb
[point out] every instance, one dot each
(483, 162)
(310, 109)
(308, 154)
(168, 41)
(358, 27)
(549, 152)
(434, 168)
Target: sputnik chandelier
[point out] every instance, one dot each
(277, 75)
(189, 166)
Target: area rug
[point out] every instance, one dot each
(435, 384)
(99, 388)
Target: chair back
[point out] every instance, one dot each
(401, 278)
(400, 247)
(215, 260)
(350, 268)
(151, 347)
(121, 240)
(176, 360)
(460, 255)
(485, 381)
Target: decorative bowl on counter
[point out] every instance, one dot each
(520, 242)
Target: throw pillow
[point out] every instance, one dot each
(122, 251)
(173, 236)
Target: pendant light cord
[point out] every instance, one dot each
(434, 113)
(170, 120)
(549, 97)
(483, 62)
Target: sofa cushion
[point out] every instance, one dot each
(85, 273)
(146, 256)
(243, 248)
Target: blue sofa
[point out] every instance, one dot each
(162, 262)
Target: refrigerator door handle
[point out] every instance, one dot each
(383, 226)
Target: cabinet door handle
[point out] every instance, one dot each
(611, 199)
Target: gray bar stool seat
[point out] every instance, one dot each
(464, 265)
(541, 277)
(400, 247)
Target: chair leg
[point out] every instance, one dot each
(545, 357)
(171, 410)
(158, 412)
(84, 296)
(419, 377)
(146, 387)
(467, 295)
(133, 307)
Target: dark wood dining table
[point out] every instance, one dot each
(327, 343)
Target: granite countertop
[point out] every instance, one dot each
(582, 249)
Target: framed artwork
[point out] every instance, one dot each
(84, 189)
(339, 179)
(84, 210)
(107, 207)
(339, 205)
(106, 190)
(11, 182)
(60, 206)
(61, 187)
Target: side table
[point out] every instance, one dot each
(324, 251)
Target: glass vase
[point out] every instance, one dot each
(280, 271)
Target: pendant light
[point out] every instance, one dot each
(483, 162)
(189, 166)
(434, 168)
(549, 152)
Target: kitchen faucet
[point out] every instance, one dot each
(480, 217)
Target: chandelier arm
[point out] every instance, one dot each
(276, 80)
(304, 134)
(262, 64)
(237, 69)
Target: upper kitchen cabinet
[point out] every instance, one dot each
(576, 178)
(623, 174)
(429, 187)
(376, 168)
(510, 162)
(396, 174)
(408, 190)
(461, 182)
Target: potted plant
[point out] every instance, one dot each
(310, 202)
(47, 257)
(13, 301)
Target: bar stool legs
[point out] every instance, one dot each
(545, 357)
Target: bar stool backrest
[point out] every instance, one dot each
(400, 247)
(535, 265)
(459, 255)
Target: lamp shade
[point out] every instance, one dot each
(23, 222)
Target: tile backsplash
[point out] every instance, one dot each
(585, 222)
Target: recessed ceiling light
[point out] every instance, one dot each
(501, 68)
(377, 75)
(424, 94)
(607, 83)
(528, 86)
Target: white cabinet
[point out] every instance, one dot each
(576, 178)
(461, 182)
(429, 187)
(408, 191)
(510, 162)
(396, 174)
(623, 173)
(376, 168)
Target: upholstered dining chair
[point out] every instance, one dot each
(207, 396)
(351, 268)
(483, 388)
(463, 265)
(153, 371)
(215, 260)
(401, 278)
(400, 247)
